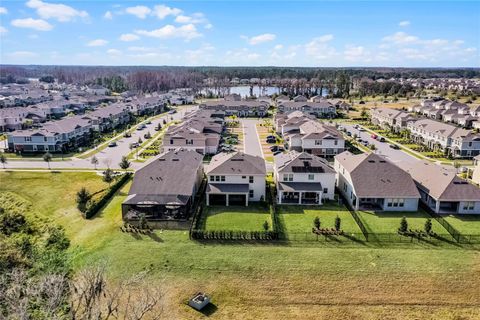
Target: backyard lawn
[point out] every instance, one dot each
(465, 224)
(389, 222)
(299, 219)
(261, 281)
(236, 218)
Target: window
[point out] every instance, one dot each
(250, 179)
(325, 190)
(212, 178)
(318, 142)
(217, 178)
(311, 176)
(389, 202)
(336, 142)
(28, 138)
(222, 178)
(250, 193)
(244, 177)
(171, 141)
(469, 205)
(288, 177)
(401, 202)
(395, 202)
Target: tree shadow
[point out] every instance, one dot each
(154, 237)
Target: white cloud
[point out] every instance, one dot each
(261, 38)
(140, 12)
(3, 10)
(58, 11)
(108, 15)
(188, 31)
(319, 48)
(161, 11)
(278, 47)
(97, 43)
(22, 54)
(114, 52)
(37, 24)
(404, 23)
(129, 37)
(139, 49)
(3, 30)
(197, 17)
(357, 54)
(400, 38)
(208, 26)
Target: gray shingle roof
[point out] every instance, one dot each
(236, 163)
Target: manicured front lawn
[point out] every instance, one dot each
(465, 224)
(299, 219)
(389, 222)
(236, 218)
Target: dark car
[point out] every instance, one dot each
(127, 135)
(271, 137)
(148, 122)
(277, 152)
(274, 148)
(349, 134)
(382, 139)
(394, 146)
(112, 144)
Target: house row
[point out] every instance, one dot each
(69, 132)
(165, 189)
(240, 108)
(457, 141)
(448, 111)
(303, 133)
(389, 118)
(200, 131)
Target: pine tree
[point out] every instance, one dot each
(403, 225)
(316, 222)
(338, 223)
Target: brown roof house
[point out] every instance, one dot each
(370, 181)
(164, 189)
(442, 190)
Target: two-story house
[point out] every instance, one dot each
(235, 179)
(302, 178)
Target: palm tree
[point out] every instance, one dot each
(3, 160)
(94, 161)
(47, 157)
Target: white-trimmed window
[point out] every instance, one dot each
(288, 177)
(311, 176)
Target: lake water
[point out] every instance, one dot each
(244, 91)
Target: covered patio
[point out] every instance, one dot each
(302, 193)
(156, 207)
(227, 194)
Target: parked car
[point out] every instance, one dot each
(394, 146)
(112, 144)
(382, 139)
(158, 128)
(148, 122)
(277, 152)
(141, 126)
(134, 145)
(271, 140)
(172, 111)
(127, 135)
(349, 133)
(365, 143)
(274, 148)
(361, 129)
(271, 137)
(374, 136)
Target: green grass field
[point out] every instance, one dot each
(465, 224)
(236, 218)
(299, 219)
(389, 222)
(261, 281)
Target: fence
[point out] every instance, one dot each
(460, 238)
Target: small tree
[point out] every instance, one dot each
(47, 157)
(3, 160)
(338, 223)
(83, 196)
(164, 121)
(316, 223)
(108, 176)
(428, 226)
(94, 161)
(403, 225)
(140, 140)
(124, 163)
(364, 113)
(148, 135)
(265, 226)
(142, 221)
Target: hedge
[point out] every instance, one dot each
(95, 206)
(233, 235)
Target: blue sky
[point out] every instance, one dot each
(241, 33)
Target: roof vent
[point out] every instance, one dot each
(175, 159)
(371, 161)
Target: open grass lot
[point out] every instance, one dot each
(389, 222)
(465, 224)
(248, 281)
(299, 219)
(236, 218)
